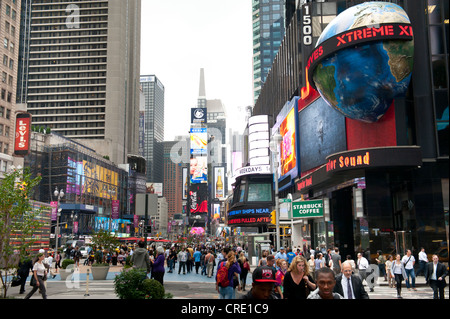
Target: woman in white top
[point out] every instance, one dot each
(39, 272)
(398, 272)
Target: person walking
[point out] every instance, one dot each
(158, 265)
(245, 268)
(381, 261)
(435, 276)
(197, 259)
(325, 285)
(336, 262)
(408, 260)
(399, 273)
(348, 285)
(140, 258)
(39, 277)
(232, 268)
(209, 261)
(263, 281)
(363, 265)
(182, 258)
(279, 276)
(298, 282)
(25, 266)
(171, 259)
(423, 261)
(388, 266)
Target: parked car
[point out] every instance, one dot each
(84, 251)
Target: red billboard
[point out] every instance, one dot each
(22, 134)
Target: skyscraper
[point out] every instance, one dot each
(268, 33)
(172, 184)
(153, 91)
(10, 27)
(80, 72)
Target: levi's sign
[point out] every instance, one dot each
(307, 209)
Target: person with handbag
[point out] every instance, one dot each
(298, 282)
(38, 278)
(245, 268)
(398, 272)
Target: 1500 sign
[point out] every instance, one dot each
(307, 209)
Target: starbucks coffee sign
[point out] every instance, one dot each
(307, 209)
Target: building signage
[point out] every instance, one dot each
(255, 169)
(395, 156)
(249, 216)
(198, 115)
(306, 22)
(22, 134)
(307, 209)
(351, 38)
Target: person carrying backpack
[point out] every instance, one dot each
(226, 270)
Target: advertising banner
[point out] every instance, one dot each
(115, 206)
(54, 206)
(22, 134)
(185, 182)
(155, 188)
(219, 182)
(198, 115)
(199, 169)
(199, 141)
(198, 198)
(307, 209)
(252, 216)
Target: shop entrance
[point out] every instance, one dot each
(341, 208)
(403, 241)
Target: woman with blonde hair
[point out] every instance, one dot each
(233, 269)
(298, 282)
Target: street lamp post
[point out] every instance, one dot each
(276, 140)
(58, 194)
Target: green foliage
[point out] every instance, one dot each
(16, 217)
(103, 239)
(67, 262)
(153, 289)
(134, 284)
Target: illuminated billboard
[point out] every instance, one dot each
(286, 125)
(198, 198)
(199, 141)
(199, 169)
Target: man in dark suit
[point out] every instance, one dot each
(348, 285)
(435, 276)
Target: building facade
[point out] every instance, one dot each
(153, 91)
(268, 18)
(80, 71)
(10, 12)
(172, 184)
(384, 185)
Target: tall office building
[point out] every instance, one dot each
(80, 72)
(9, 33)
(268, 32)
(172, 184)
(153, 91)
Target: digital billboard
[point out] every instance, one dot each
(198, 198)
(219, 182)
(321, 133)
(288, 150)
(199, 169)
(199, 141)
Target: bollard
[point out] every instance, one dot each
(87, 282)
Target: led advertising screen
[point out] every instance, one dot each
(321, 133)
(199, 169)
(199, 141)
(288, 150)
(198, 198)
(219, 182)
(185, 183)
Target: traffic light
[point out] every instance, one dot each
(273, 217)
(148, 229)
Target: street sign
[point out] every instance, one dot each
(307, 209)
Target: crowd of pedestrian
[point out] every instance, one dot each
(284, 274)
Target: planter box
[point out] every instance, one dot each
(99, 272)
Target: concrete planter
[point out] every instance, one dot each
(99, 272)
(64, 273)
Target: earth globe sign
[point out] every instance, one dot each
(362, 81)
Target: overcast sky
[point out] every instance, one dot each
(179, 37)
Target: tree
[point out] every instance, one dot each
(16, 217)
(103, 239)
